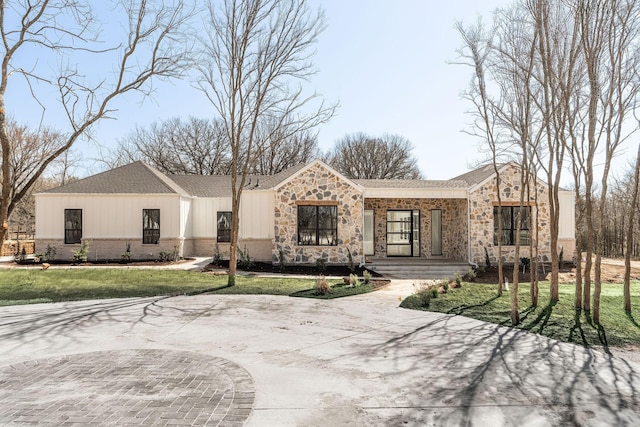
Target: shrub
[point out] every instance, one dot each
(81, 254)
(352, 266)
(244, 259)
(217, 256)
(126, 256)
(487, 258)
(458, 279)
(322, 286)
(321, 265)
(471, 275)
(48, 255)
(366, 276)
(525, 263)
(434, 292)
(424, 293)
(169, 256)
(353, 280)
(282, 265)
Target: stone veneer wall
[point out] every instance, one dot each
(481, 202)
(454, 224)
(314, 185)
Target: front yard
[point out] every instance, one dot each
(560, 321)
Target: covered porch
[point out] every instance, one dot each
(426, 230)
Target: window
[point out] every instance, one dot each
(150, 226)
(318, 225)
(72, 226)
(508, 217)
(224, 226)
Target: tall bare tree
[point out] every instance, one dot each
(255, 57)
(191, 146)
(361, 156)
(69, 30)
(279, 147)
(627, 256)
(609, 32)
(475, 52)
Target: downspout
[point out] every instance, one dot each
(470, 260)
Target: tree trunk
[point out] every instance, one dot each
(627, 255)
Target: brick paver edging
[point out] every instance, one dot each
(129, 387)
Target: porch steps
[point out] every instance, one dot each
(418, 268)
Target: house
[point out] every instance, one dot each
(302, 214)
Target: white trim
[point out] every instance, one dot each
(416, 193)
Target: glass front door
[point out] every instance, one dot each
(403, 233)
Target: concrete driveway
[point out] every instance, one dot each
(279, 361)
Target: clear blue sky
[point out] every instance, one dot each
(385, 62)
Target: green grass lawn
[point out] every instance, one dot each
(24, 286)
(480, 301)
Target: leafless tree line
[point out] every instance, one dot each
(554, 88)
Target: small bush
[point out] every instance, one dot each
(458, 279)
(366, 276)
(471, 275)
(170, 256)
(353, 280)
(424, 292)
(322, 286)
(352, 266)
(525, 263)
(126, 256)
(321, 265)
(244, 259)
(487, 258)
(81, 254)
(217, 256)
(282, 264)
(434, 292)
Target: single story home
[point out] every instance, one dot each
(304, 213)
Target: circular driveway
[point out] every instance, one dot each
(354, 361)
(128, 387)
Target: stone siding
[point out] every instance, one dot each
(481, 203)
(454, 224)
(318, 184)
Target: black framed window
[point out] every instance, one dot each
(224, 226)
(318, 225)
(150, 226)
(72, 226)
(508, 218)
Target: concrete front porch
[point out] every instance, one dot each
(417, 267)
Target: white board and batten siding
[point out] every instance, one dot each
(256, 215)
(107, 216)
(567, 226)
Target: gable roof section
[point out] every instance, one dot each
(134, 178)
(476, 176)
(289, 176)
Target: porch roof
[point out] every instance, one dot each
(413, 189)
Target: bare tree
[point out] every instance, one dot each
(279, 147)
(254, 59)
(361, 156)
(609, 35)
(627, 256)
(152, 47)
(476, 50)
(176, 146)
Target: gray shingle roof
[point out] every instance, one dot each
(411, 183)
(478, 175)
(134, 178)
